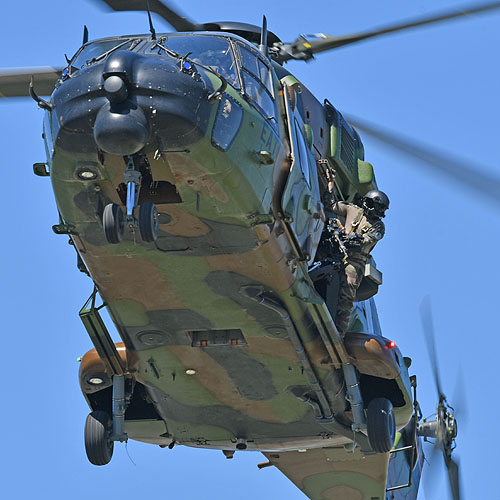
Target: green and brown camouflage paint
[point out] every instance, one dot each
(234, 220)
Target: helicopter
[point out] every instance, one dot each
(35, 83)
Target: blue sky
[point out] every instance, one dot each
(438, 85)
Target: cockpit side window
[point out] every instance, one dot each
(257, 80)
(254, 65)
(210, 51)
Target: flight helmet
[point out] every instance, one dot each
(375, 203)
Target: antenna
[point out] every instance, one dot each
(263, 37)
(151, 27)
(85, 34)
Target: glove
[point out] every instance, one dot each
(353, 241)
(333, 226)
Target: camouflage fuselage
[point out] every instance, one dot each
(202, 311)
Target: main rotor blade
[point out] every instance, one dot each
(454, 168)
(304, 48)
(176, 20)
(14, 82)
(428, 327)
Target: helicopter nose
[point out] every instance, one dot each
(131, 102)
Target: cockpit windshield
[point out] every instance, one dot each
(212, 51)
(96, 51)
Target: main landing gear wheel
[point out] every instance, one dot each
(148, 221)
(98, 445)
(381, 425)
(112, 222)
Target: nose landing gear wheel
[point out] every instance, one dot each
(98, 446)
(148, 221)
(381, 425)
(112, 222)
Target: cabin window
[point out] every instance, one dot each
(211, 51)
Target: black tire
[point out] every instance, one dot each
(381, 425)
(148, 221)
(112, 222)
(98, 446)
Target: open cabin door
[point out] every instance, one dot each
(301, 201)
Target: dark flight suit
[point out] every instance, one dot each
(354, 220)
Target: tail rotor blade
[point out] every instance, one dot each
(459, 403)
(428, 327)
(445, 430)
(453, 475)
(432, 477)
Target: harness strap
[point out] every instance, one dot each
(357, 220)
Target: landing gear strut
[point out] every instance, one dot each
(113, 220)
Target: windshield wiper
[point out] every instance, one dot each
(160, 45)
(106, 54)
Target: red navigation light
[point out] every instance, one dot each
(390, 345)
